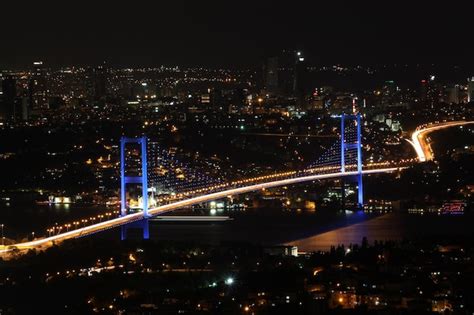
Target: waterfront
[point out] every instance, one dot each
(308, 230)
(257, 225)
(390, 226)
(317, 231)
(20, 219)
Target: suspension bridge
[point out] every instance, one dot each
(166, 184)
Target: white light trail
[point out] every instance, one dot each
(423, 150)
(105, 225)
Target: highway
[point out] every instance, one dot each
(419, 142)
(421, 145)
(113, 223)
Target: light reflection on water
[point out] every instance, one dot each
(21, 219)
(265, 226)
(391, 226)
(309, 230)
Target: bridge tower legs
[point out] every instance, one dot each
(352, 145)
(142, 180)
(360, 187)
(141, 224)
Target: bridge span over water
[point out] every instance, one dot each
(133, 217)
(343, 160)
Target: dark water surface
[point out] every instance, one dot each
(307, 230)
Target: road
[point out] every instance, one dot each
(419, 142)
(113, 223)
(421, 145)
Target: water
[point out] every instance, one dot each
(391, 226)
(308, 230)
(21, 219)
(312, 231)
(259, 226)
(262, 225)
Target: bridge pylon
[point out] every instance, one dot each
(141, 179)
(353, 144)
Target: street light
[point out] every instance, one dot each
(3, 239)
(229, 281)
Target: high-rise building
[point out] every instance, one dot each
(25, 111)
(286, 72)
(9, 94)
(389, 91)
(38, 88)
(271, 76)
(287, 75)
(470, 90)
(423, 91)
(100, 83)
(454, 94)
(89, 83)
(300, 80)
(430, 92)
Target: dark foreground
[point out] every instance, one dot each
(136, 277)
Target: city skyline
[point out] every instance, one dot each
(236, 158)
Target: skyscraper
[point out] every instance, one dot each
(100, 83)
(286, 72)
(454, 94)
(430, 92)
(9, 97)
(300, 80)
(38, 89)
(470, 90)
(271, 76)
(287, 75)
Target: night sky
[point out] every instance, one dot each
(233, 33)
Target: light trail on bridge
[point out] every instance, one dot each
(419, 143)
(422, 147)
(113, 223)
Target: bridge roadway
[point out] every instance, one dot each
(113, 223)
(421, 145)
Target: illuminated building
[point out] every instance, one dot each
(389, 91)
(38, 90)
(100, 83)
(300, 82)
(205, 99)
(430, 92)
(271, 76)
(9, 97)
(454, 94)
(286, 75)
(470, 90)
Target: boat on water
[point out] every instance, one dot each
(56, 200)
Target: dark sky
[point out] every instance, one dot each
(233, 33)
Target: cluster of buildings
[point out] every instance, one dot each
(287, 84)
(288, 100)
(428, 278)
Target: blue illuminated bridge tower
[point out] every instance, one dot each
(351, 149)
(162, 172)
(139, 176)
